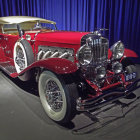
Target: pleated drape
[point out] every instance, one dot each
(121, 17)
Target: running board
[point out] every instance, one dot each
(7, 67)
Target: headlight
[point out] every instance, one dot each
(89, 42)
(100, 72)
(117, 50)
(84, 54)
(117, 67)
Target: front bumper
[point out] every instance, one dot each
(98, 102)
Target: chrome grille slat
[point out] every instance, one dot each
(100, 51)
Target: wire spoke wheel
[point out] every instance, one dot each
(20, 57)
(53, 95)
(57, 97)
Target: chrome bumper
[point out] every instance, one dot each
(95, 103)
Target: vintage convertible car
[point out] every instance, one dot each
(75, 71)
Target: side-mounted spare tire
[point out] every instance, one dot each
(23, 57)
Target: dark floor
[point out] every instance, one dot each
(23, 118)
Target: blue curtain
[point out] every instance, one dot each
(121, 17)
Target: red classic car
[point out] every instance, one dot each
(75, 71)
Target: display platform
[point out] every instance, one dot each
(23, 118)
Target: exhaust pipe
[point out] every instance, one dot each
(40, 54)
(64, 55)
(55, 54)
(47, 54)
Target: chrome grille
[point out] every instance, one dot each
(100, 50)
(100, 46)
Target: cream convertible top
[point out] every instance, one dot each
(23, 19)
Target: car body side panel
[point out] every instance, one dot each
(10, 42)
(2, 54)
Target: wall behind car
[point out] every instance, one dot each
(121, 17)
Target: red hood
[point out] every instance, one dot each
(61, 37)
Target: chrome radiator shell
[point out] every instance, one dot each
(100, 48)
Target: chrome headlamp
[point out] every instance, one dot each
(100, 72)
(117, 50)
(84, 54)
(117, 67)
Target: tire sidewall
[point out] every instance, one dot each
(56, 116)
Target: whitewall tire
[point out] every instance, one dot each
(58, 101)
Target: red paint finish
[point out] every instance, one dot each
(109, 54)
(10, 42)
(2, 55)
(130, 53)
(127, 53)
(56, 65)
(61, 37)
(108, 84)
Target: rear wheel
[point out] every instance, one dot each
(57, 97)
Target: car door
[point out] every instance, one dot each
(2, 47)
(10, 37)
(10, 42)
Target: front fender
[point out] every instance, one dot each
(129, 53)
(131, 56)
(56, 65)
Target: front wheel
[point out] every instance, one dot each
(57, 97)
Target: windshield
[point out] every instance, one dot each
(37, 26)
(12, 29)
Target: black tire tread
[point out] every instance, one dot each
(30, 59)
(28, 50)
(73, 95)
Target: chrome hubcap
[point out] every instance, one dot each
(20, 59)
(53, 96)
